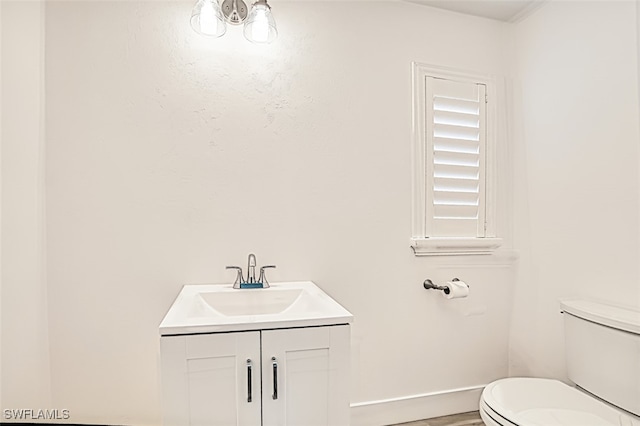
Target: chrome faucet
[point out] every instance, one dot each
(251, 268)
(251, 281)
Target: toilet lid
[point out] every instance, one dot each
(546, 402)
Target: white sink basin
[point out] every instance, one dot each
(251, 302)
(213, 308)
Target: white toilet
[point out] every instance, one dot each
(602, 345)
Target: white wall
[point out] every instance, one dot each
(170, 156)
(576, 151)
(25, 346)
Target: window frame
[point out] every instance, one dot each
(421, 243)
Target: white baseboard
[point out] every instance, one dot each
(415, 407)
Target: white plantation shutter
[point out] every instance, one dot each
(455, 158)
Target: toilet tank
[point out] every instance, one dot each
(602, 344)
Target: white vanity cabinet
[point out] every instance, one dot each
(288, 376)
(276, 356)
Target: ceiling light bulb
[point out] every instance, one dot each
(206, 18)
(208, 21)
(260, 26)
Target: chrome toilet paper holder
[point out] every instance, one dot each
(429, 285)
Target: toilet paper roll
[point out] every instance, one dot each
(457, 289)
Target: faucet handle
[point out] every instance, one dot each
(239, 278)
(263, 277)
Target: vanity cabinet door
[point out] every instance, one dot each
(211, 379)
(305, 376)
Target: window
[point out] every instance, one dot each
(453, 194)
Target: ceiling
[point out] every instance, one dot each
(501, 10)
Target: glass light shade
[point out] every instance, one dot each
(260, 26)
(207, 19)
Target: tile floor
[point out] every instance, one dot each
(465, 419)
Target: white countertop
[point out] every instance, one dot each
(210, 308)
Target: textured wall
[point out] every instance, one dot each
(170, 156)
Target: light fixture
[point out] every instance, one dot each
(209, 18)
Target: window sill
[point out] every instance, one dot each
(452, 246)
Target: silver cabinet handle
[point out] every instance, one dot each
(249, 392)
(275, 378)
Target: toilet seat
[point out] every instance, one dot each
(546, 402)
